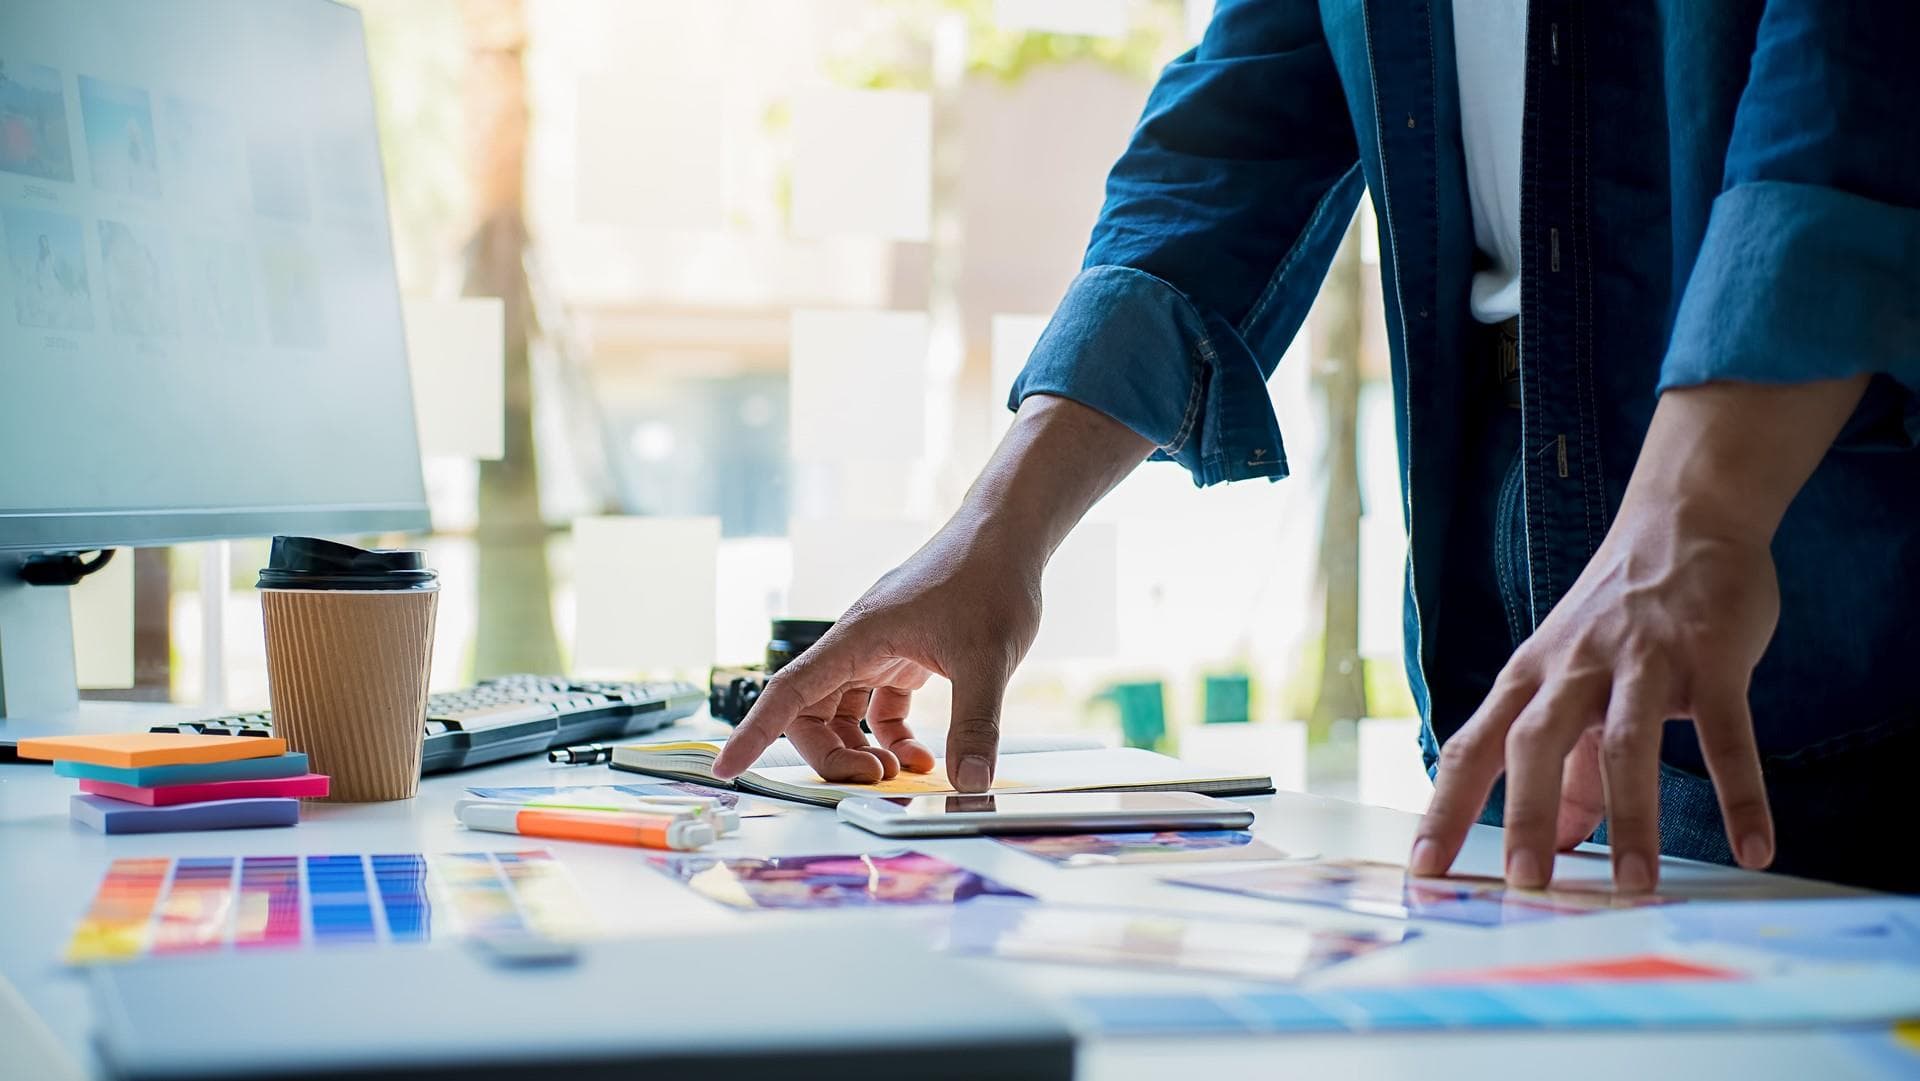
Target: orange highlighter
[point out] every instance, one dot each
(607, 827)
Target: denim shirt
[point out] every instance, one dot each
(1710, 191)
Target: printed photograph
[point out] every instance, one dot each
(33, 122)
(1078, 934)
(219, 289)
(277, 167)
(120, 145)
(296, 310)
(47, 265)
(1385, 889)
(139, 294)
(1172, 846)
(842, 881)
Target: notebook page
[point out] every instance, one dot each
(783, 753)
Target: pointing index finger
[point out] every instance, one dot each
(811, 678)
(1469, 764)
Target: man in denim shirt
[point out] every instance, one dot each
(1695, 497)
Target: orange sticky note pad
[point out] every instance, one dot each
(130, 750)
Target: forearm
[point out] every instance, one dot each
(1055, 463)
(1727, 458)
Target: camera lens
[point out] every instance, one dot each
(791, 637)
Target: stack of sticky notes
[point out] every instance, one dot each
(163, 782)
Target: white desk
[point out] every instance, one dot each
(49, 868)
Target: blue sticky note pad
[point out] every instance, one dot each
(118, 816)
(292, 764)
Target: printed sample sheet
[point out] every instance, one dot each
(837, 881)
(1077, 934)
(1879, 995)
(1166, 846)
(632, 793)
(1384, 889)
(1844, 930)
(204, 903)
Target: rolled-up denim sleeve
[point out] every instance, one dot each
(1810, 267)
(1219, 223)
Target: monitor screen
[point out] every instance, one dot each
(200, 327)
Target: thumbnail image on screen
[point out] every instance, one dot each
(119, 124)
(33, 122)
(134, 262)
(219, 287)
(47, 266)
(279, 171)
(292, 285)
(200, 154)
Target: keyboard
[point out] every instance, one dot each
(513, 716)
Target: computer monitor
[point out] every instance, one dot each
(200, 327)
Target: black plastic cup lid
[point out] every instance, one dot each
(313, 563)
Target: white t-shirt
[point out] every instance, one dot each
(1490, 48)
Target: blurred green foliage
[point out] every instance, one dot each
(1388, 693)
(900, 61)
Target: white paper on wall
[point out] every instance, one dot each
(1392, 772)
(1080, 606)
(645, 591)
(862, 164)
(102, 606)
(1095, 18)
(1013, 338)
(456, 349)
(652, 150)
(836, 560)
(858, 385)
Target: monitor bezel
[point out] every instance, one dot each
(92, 531)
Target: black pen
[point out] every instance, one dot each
(584, 754)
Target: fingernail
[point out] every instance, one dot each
(974, 775)
(1633, 874)
(1426, 858)
(1755, 850)
(1523, 871)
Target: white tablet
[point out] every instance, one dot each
(1041, 812)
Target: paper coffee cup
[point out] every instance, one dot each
(347, 676)
(347, 667)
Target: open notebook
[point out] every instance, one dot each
(1032, 764)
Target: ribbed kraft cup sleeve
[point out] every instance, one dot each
(347, 677)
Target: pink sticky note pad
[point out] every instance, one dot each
(305, 786)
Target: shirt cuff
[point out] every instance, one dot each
(1797, 283)
(1131, 346)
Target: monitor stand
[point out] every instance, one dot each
(38, 692)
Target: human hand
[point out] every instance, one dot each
(1667, 621)
(966, 606)
(963, 607)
